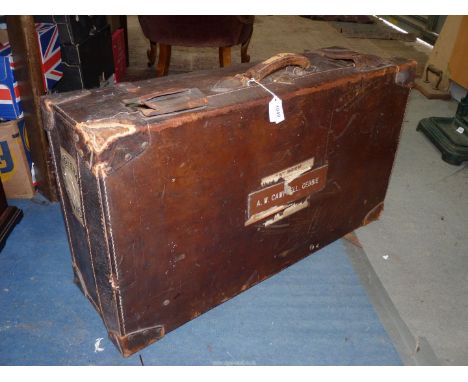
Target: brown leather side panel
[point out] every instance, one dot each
(179, 209)
(185, 210)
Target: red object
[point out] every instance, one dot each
(118, 50)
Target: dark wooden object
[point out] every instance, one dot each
(9, 217)
(244, 47)
(222, 32)
(28, 73)
(225, 56)
(152, 53)
(172, 210)
(163, 60)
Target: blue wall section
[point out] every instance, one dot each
(314, 313)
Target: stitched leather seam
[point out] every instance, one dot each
(87, 238)
(103, 226)
(114, 254)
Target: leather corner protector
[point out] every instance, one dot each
(406, 74)
(106, 147)
(130, 343)
(373, 214)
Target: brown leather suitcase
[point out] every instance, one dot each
(179, 193)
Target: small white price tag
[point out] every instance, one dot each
(275, 109)
(460, 130)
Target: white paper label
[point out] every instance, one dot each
(460, 130)
(275, 109)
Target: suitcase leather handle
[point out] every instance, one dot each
(277, 62)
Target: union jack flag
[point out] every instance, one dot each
(49, 43)
(10, 100)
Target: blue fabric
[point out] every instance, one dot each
(314, 313)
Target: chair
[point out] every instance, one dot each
(195, 31)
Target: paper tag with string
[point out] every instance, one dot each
(275, 110)
(275, 107)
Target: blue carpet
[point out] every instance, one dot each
(314, 313)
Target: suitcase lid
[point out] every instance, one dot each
(101, 117)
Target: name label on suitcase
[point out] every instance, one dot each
(280, 198)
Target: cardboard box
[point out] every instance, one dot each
(14, 167)
(49, 44)
(24, 137)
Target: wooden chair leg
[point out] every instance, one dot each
(244, 56)
(163, 60)
(151, 53)
(224, 56)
